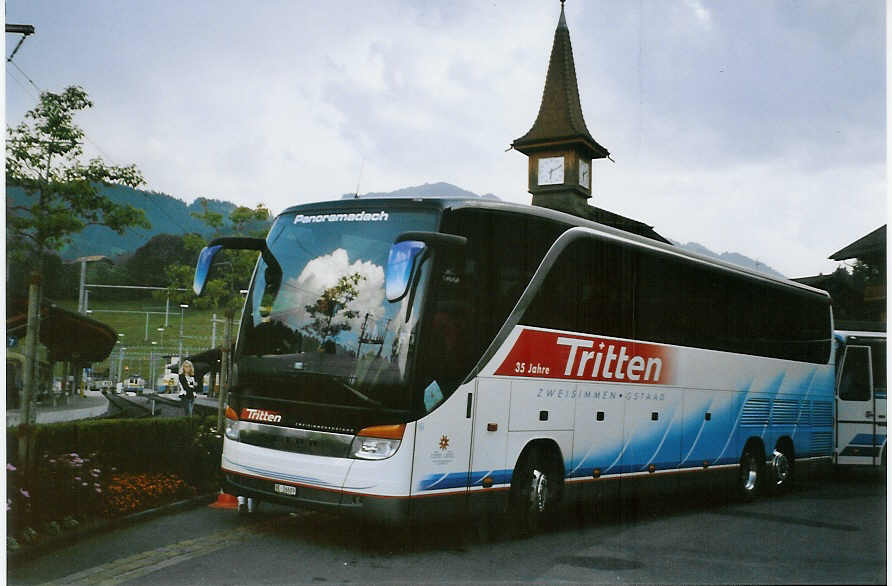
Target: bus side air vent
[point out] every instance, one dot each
(822, 413)
(821, 442)
(784, 412)
(805, 413)
(756, 411)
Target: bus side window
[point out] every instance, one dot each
(854, 384)
(588, 289)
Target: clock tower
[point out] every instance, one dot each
(559, 146)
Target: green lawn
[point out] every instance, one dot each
(129, 318)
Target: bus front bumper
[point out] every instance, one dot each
(383, 509)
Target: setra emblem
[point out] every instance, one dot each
(444, 443)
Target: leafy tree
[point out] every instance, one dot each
(232, 268)
(61, 281)
(43, 157)
(148, 264)
(865, 274)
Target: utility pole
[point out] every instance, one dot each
(183, 306)
(81, 303)
(224, 368)
(214, 331)
(30, 373)
(120, 363)
(31, 369)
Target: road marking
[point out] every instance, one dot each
(141, 564)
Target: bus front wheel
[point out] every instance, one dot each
(535, 487)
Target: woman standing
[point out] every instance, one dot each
(188, 384)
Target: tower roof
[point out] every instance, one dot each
(560, 114)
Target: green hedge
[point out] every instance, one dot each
(187, 446)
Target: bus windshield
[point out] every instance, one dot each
(324, 332)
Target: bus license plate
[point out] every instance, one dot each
(285, 489)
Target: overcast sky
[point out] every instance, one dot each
(750, 126)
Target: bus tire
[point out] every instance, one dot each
(780, 466)
(749, 476)
(535, 490)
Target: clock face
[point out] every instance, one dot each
(551, 171)
(585, 174)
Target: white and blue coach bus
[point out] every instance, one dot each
(410, 358)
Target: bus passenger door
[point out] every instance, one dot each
(856, 414)
(442, 456)
(489, 444)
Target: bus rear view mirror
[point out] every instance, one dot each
(400, 265)
(203, 267)
(206, 257)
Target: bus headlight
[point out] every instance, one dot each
(230, 429)
(231, 424)
(378, 442)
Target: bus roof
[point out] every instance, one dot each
(455, 203)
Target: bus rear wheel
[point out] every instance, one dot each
(749, 477)
(781, 466)
(535, 489)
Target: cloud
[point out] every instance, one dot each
(710, 109)
(324, 272)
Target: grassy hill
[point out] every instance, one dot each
(129, 318)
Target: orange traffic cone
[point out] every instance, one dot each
(225, 501)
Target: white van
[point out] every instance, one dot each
(861, 398)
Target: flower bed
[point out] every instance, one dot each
(67, 488)
(130, 493)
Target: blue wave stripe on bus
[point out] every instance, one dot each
(686, 443)
(460, 479)
(500, 477)
(866, 439)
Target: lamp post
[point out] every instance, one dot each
(120, 365)
(152, 364)
(111, 366)
(180, 351)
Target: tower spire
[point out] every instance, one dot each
(560, 113)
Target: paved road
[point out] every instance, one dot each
(829, 530)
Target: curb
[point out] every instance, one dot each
(50, 544)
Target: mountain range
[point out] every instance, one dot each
(169, 215)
